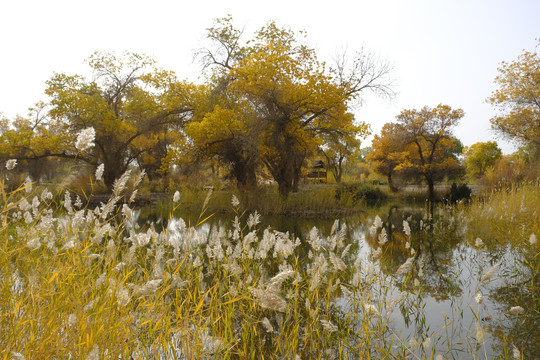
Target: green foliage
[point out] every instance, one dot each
(480, 157)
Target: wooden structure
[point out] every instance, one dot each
(318, 172)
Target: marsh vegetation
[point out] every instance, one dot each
(95, 283)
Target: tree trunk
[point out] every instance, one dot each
(114, 167)
(431, 188)
(285, 179)
(245, 176)
(339, 170)
(393, 188)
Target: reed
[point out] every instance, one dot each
(87, 283)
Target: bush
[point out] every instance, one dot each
(457, 193)
(371, 195)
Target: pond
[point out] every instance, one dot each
(456, 299)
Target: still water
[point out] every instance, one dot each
(450, 306)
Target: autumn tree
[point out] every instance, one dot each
(518, 99)
(479, 157)
(342, 147)
(27, 139)
(130, 103)
(278, 99)
(387, 151)
(430, 148)
(224, 125)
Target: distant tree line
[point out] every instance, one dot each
(267, 105)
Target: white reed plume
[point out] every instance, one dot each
(148, 288)
(235, 202)
(406, 228)
(479, 298)
(491, 272)
(33, 243)
(11, 163)
(267, 325)
(46, 195)
(72, 320)
(376, 253)
(139, 239)
(426, 344)
(269, 299)
(383, 238)
(479, 242)
(94, 354)
(253, 220)
(78, 202)
(277, 280)
(532, 239)
(99, 172)
(17, 356)
(266, 244)
(120, 184)
(28, 184)
(122, 296)
(377, 222)
(85, 139)
(405, 267)
(480, 333)
(314, 240)
(197, 262)
(176, 196)
(516, 352)
(345, 251)
(328, 326)
(283, 246)
(370, 308)
(517, 310)
(337, 262)
(90, 304)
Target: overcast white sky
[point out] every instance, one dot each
(442, 51)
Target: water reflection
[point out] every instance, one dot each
(442, 287)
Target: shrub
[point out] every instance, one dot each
(457, 193)
(371, 195)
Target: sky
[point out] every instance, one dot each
(440, 51)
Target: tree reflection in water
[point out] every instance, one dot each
(446, 277)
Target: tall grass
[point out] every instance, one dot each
(310, 201)
(89, 284)
(507, 221)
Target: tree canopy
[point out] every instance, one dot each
(130, 103)
(518, 99)
(420, 144)
(479, 157)
(267, 103)
(274, 103)
(387, 151)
